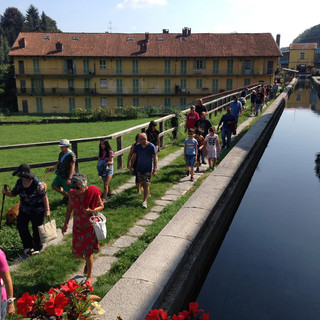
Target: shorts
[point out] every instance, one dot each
(190, 159)
(143, 178)
(61, 182)
(3, 309)
(211, 154)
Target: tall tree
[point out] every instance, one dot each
(11, 23)
(32, 23)
(4, 50)
(47, 24)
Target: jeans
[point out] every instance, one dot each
(259, 107)
(226, 132)
(3, 310)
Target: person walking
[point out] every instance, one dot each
(260, 98)
(34, 207)
(228, 120)
(138, 185)
(190, 153)
(153, 135)
(210, 145)
(274, 89)
(145, 152)
(201, 108)
(84, 201)
(64, 170)
(200, 140)
(236, 108)
(253, 101)
(6, 288)
(203, 124)
(191, 119)
(105, 166)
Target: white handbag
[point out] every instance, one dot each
(48, 231)
(99, 225)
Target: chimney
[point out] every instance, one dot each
(189, 32)
(184, 31)
(143, 46)
(22, 43)
(278, 40)
(147, 37)
(165, 30)
(59, 46)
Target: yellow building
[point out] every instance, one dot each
(302, 56)
(59, 72)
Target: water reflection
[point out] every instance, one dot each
(317, 166)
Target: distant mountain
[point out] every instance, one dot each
(309, 33)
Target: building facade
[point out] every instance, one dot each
(59, 72)
(302, 56)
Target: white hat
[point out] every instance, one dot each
(64, 143)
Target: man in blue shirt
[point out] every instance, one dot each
(236, 108)
(228, 120)
(145, 152)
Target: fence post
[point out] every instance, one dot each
(119, 147)
(74, 146)
(161, 138)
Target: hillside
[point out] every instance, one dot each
(309, 33)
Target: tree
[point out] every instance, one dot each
(32, 23)
(309, 33)
(11, 23)
(4, 50)
(47, 24)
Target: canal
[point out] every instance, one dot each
(268, 266)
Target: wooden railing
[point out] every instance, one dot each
(214, 103)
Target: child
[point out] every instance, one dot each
(253, 101)
(105, 166)
(190, 152)
(200, 140)
(210, 143)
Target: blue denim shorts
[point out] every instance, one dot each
(190, 160)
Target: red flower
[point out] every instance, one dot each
(193, 306)
(25, 304)
(55, 305)
(156, 314)
(205, 316)
(71, 286)
(178, 317)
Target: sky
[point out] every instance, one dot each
(286, 18)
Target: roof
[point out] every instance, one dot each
(158, 45)
(303, 46)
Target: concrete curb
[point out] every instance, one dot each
(166, 272)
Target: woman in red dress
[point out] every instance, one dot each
(84, 201)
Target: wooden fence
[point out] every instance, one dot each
(215, 103)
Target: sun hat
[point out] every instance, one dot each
(23, 171)
(64, 143)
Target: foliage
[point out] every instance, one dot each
(71, 301)
(192, 314)
(309, 33)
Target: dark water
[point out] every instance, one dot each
(268, 266)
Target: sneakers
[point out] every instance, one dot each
(197, 170)
(191, 178)
(28, 251)
(188, 172)
(203, 162)
(144, 205)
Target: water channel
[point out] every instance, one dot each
(268, 266)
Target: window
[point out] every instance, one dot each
(36, 66)
(183, 67)
(37, 86)
(103, 102)
(86, 67)
(302, 56)
(167, 102)
(215, 69)
(230, 67)
(21, 67)
(70, 85)
(103, 83)
(103, 64)
(247, 67)
(246, 82)
(39, 105)
(229, 84)
(183, 102)
(119, 102)
(88, 103)
(135, 102)
(119, 66)
(167, 85)
(23, 86)
(167, 66)
(135, 66)
(135, 85)
(215, 85)
(70, 66)
(86, 85)
(183, 85)
(72, 105)
(119, 86)
(270, 67)
(199, 64)
(199, 83)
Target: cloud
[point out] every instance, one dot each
(135, 4)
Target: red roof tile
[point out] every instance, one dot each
(303, 46)
(159, 45)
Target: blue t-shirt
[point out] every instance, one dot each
(236, 108)
(190, 146)
(225, 120)
(145, 156)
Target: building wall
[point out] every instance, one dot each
(298, 57)
(59, 85)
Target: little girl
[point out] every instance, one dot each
(105, 166)
(211, 142)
